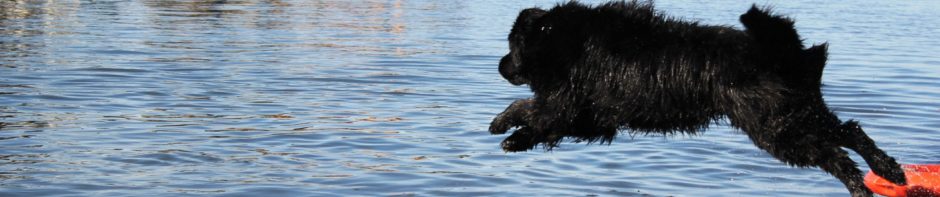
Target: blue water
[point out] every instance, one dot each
(390, 98)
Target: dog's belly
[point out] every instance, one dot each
(670, 115)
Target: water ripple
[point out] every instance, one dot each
(389, 98)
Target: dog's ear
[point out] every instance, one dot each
(527, 18)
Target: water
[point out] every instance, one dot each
(339, 98)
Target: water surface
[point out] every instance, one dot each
(340, 98)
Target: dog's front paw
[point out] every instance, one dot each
(500, 125)
(523, 139)
(513, 116)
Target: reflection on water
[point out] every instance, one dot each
(325, 98)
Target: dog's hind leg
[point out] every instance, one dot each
(882, 164)
(805, 133)
(838, 164)
(812, 151)
(513, 116)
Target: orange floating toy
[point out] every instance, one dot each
(923, 180)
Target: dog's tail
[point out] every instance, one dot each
(777, 40)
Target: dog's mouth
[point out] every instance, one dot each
(517, 80)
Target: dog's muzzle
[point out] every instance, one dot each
(510, 71)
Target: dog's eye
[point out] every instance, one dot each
(545, 29)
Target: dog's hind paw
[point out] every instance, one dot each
(891, 171)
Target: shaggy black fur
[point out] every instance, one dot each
(622, 65)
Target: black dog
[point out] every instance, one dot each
(622, 65)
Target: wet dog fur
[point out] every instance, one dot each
(595, 70)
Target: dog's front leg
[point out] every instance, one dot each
(532, 132)
(513, 116)
(523, 139)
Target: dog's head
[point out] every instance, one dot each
(542, 43)
(522, 37)
(545, 45)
